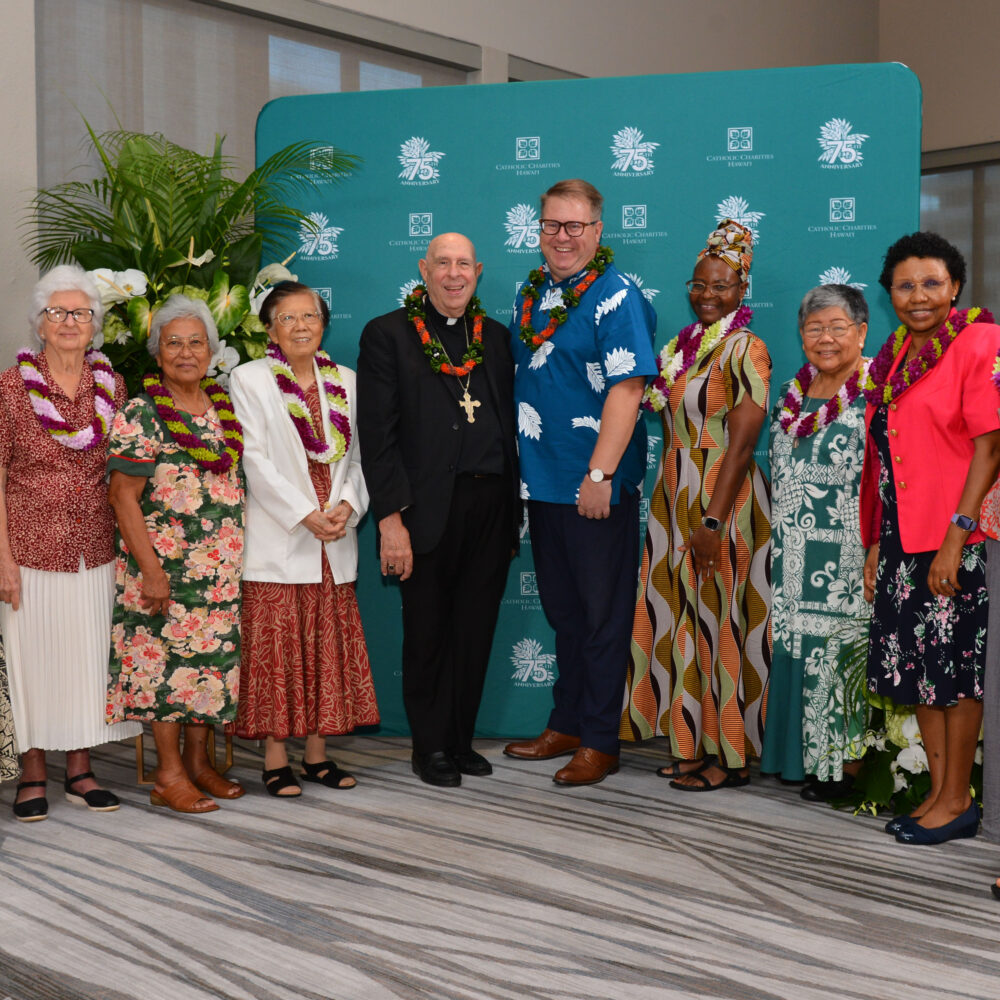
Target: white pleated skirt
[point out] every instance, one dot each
(58, 644)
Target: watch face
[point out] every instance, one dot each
(597, 475)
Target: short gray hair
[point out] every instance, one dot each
(846, 297)
(181, 307)
(64, 278)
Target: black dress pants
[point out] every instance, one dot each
(450, 607)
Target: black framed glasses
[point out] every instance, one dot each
(552, 226)
(57, 314)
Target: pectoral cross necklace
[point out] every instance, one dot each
(466, 402)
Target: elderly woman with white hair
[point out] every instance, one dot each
(57, 405)
(177, 491)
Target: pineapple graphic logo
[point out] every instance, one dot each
(532, 667)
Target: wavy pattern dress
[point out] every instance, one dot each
(8, 745)
(818, 598)
(701, 654)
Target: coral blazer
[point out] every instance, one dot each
(931, 427)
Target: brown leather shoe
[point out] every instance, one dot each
(549, 744)
(588, 767)
(209, 781)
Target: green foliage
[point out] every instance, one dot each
(182, 221)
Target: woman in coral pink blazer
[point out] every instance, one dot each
(932, 453)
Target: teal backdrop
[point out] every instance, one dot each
(822, 163)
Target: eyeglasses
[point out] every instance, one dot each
(814, 332)
(930, 286)
(551, 227)
(57, 314)
(174, 345)
(718, 288)
(286, 320)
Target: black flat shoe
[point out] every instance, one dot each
(470, 762)
(327, 773)
(98, 800)
(827, 791)
(436, 769)
(279, 778)
(31, 810)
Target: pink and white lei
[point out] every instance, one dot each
(794, 421)
(85, 438)
(687, 349)
(317, 450)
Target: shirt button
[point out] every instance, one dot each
(902, 486)
(898, 459)
(454, 427)
(894, 432)
(892, 406)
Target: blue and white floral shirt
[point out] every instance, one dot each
(560, 389)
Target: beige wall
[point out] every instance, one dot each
(627, 37)
(18, 176)
(955, 50)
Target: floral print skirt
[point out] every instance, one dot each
(923, 649)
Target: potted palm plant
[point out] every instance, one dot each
(161, 218)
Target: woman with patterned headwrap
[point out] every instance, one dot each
(701, 646)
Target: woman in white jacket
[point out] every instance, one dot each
(305, 670)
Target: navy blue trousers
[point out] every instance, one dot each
(587, 572)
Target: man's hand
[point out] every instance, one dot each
(396, 554)
(595, 499)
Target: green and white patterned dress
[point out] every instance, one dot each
(817, 574)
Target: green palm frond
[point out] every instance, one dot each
(156, 202)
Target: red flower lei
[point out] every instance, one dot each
(879, 388)
(192, 443)
(433, 348)
(571, 297)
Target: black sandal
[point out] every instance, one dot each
(279, 778)
(98, 800)
(31, 810)
(327, 773)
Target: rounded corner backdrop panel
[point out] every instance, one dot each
(822, 163)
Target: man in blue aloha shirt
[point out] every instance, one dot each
(577, 388)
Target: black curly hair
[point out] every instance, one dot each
(923, 245)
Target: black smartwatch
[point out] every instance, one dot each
(712, 523)
(965, 523)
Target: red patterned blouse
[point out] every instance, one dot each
(57, 498)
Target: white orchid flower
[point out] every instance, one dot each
(224, 360)
(107, 286)
(912, 758)
(911, 728)
(132, 282)
(267, 276)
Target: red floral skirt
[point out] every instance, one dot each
(305, 662)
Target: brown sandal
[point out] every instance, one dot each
(209, 781)
(180, 796)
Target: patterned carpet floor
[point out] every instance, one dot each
(508, 888)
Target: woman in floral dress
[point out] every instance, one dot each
(177, 492)
(931, 454)
(305, 662)
(817, 447)
(701, 646)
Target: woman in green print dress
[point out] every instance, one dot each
(177, 490)
(817, 445)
